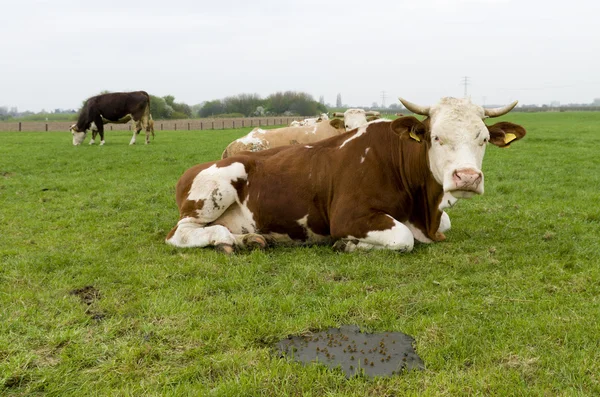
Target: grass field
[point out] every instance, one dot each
(93, 302)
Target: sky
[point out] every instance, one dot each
(57, 53)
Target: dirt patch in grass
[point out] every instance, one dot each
(87, 294)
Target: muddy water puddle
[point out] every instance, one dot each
(355, 352)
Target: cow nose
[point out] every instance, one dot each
(467, 178)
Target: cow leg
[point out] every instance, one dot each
(100, 127)
(210, 196)
(94, 133)
(395, 236)
(135, 132)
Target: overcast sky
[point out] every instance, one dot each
(56, 53)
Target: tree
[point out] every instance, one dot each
(338, 101)
(212, 108)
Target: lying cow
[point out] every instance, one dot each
(380, 186)
(116, 107)
(354, 118)
(259, 139)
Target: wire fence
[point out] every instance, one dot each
(159, 125)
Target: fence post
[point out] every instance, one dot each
(223, 125)
(243, 123)
(19, 126)
(161, 126)
(259, 122)
(111, 127)
(46, 127)
(213, 125)
(233, 123)
(188, 126)
(201, 125)
(175, 126)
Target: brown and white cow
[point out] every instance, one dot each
(380, 186)
(115, 107)
(259, 139)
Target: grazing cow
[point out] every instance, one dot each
(380, 186)
(259, 139)
(354, 118)
(116, 107)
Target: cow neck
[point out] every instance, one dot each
(411, 162)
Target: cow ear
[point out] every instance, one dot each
(504, 133)
(409, 128)
(337, 123)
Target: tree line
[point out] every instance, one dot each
(284, 103)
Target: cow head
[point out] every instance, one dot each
(78, 136)
(354, 118)
(456, 137)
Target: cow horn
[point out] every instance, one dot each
(338, 114)
(496, 112)
(423, 110)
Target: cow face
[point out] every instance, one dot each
(456, 138)
(354, 118)
(78, 136)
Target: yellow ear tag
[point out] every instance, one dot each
(508, 138)
(414, 136)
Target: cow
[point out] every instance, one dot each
(354, 118)
(380, 186)
(116, 107)
(259, 139)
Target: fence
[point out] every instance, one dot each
(159, 125)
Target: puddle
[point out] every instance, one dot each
(381, 354)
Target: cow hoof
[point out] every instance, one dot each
(340, 245)
(254, 241)
(224, 248)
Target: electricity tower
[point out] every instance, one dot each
(466, 82)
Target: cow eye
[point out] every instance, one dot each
(437, 139)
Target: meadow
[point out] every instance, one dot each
(93, 302)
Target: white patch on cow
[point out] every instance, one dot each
(357, 134)
(362, 158)
(93, 126)
(213, 186)
(78, 137)
(92, 141)
(132, 141)
(308, 147)
(444, 223)
(354, 118)
(259, 131)
(417, 233)
(190, 234)
(102, 142)
(238, 218)
(312, 237)
(314, 130)
(448, 200)
(250, 140)
(398, 238)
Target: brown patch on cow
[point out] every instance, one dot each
(240, 186)
(294, 142)
(189, 207)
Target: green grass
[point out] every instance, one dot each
(507, 305)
